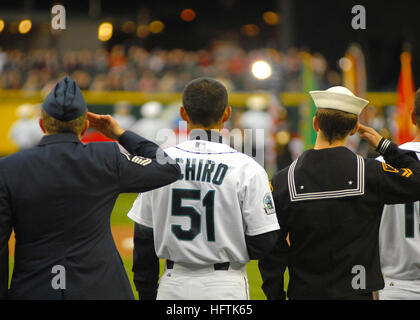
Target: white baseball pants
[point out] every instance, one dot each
(189, 282)
(400, 290)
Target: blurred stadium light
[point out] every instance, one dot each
(250, 30)
(188, 15)
(1, 25)
(105, 30)
(142, 30)
(25, 26)
(156, 26)
(261, 69)
(271, 18)
(128, 27)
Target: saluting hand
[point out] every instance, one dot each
(370, 135)
(105, 124)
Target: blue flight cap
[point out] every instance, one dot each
(65, 102)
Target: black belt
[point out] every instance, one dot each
(217, 266)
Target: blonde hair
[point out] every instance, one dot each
(52, 125)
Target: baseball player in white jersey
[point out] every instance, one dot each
(399, 238)
(212, 221)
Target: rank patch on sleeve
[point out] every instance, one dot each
(388, 168)
(269, 204)
(137, 159)
(405, 172)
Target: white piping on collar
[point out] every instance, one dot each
(359, 190)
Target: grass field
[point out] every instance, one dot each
(119, 218)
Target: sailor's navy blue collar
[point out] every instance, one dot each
(206, 135)
(59, 138)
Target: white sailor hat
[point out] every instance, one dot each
(339, 98)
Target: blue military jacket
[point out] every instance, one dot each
(58, 197)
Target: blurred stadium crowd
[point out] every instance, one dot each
(136, 69)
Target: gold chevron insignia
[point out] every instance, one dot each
(407, 172)
(389, 168)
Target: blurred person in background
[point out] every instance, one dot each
(258, 121)
(283, 154)
(32, 82)
(122, 114)
(3, 59)
(82, 78)
(99, 83)
(150, 123)
(25, 132)
(117, 59)
(168, 82)
(148, 82)
(282, 140)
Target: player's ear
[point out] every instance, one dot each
(356, 128)
(183, 114)
(413, 118)
(85, 127)
(315, 124)
(227, 114)
(41, 124)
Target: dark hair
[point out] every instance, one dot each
(53, 125)
(417, 107)
(335, 124)
(205, 100)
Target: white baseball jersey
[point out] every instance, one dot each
(203, 218)
(399, 236)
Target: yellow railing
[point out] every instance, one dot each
(236, 99)
(11, 99)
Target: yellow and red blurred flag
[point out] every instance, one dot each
(354, 70)
(405, 101)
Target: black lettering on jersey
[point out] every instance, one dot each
(180, 161)
(208, 169)
(200, 168)
(203, 170)
(220, 173)
(190, 169)
(137, 159)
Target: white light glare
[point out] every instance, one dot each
(261, 70)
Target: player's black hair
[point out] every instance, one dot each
(417, 107)
(205, 100)
(335, 124)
